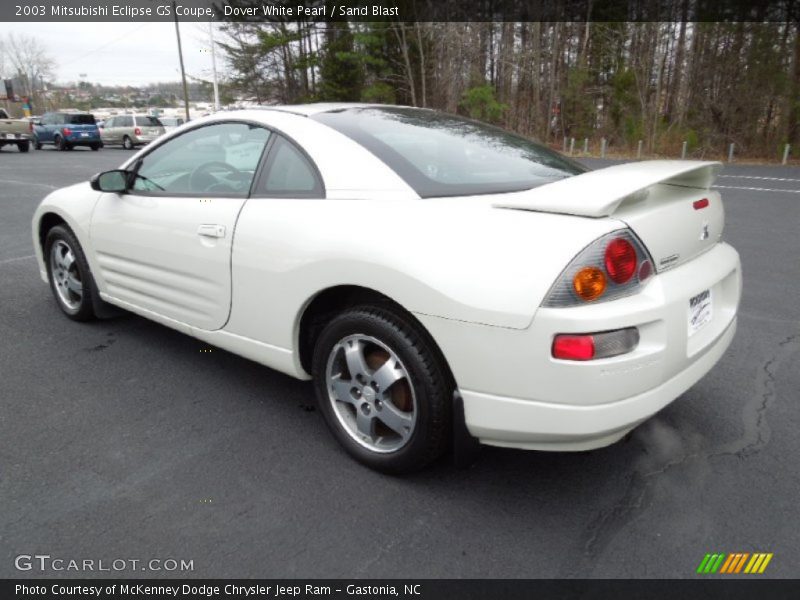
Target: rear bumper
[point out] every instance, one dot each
(516, 394)
(74, 140)
(17, 137)
(512, 422)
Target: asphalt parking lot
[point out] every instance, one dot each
(121, 439)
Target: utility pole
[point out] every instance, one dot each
(214, 65)
(180, 56)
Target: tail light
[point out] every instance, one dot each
(611, 267)
(592, 346)
(66, 131)
(620, 260)
(137, 131)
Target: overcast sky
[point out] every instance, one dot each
(121, 53)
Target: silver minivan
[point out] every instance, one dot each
(131, 130)
(171, 123)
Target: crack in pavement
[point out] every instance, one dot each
(601, 529)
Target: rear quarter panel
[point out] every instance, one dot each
(457, 259)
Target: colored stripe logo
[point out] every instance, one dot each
(735, 563)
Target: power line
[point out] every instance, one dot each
(103, 46)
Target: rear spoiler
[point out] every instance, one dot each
(599, 193)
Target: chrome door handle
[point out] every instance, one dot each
(215, 231)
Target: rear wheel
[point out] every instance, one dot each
(69, 275)
(382, 389)
(127, 143)
(96, 147)
(24, 146)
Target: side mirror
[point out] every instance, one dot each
(115, 181)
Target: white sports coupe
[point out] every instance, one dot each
(441, 280)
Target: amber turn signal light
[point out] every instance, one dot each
(589, 283)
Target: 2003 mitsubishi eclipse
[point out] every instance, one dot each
(428, 272)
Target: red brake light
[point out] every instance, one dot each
(573, 347)
(620, 260)
(137, 131)
(698, 204)
(67, 131)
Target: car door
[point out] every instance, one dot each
(44, 132)
(125, 128)
(107, 132)
(116, 130)
(165, 245)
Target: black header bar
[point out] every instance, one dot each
(399, 10)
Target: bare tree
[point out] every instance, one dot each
(29, 61)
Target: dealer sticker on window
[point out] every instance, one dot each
(700, 311)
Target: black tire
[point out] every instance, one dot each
(37, 144)
(59, 143)
(24, 146)
(96, 147)
(428, 376)
(127, 143)
(83, 309)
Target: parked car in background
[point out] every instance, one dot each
(131, 130)
(16, 132)
(171, 123)
(65, 130)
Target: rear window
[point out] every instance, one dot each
(445, 155)
(144, 121)
(80, 119)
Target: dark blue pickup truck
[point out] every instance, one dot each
(65, 130)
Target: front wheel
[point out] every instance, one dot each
(68, 273)
(382, 388)
(60, 144)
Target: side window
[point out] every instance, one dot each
(289, 173)
(109, 123)
(126, 122)
(219, 159)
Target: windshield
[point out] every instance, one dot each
(444, 155)
(80, 119)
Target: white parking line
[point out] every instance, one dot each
(756, 177)
(51, 187)
(10, 260)
(755, 189)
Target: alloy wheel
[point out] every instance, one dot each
(371, 393)
(66, 276)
